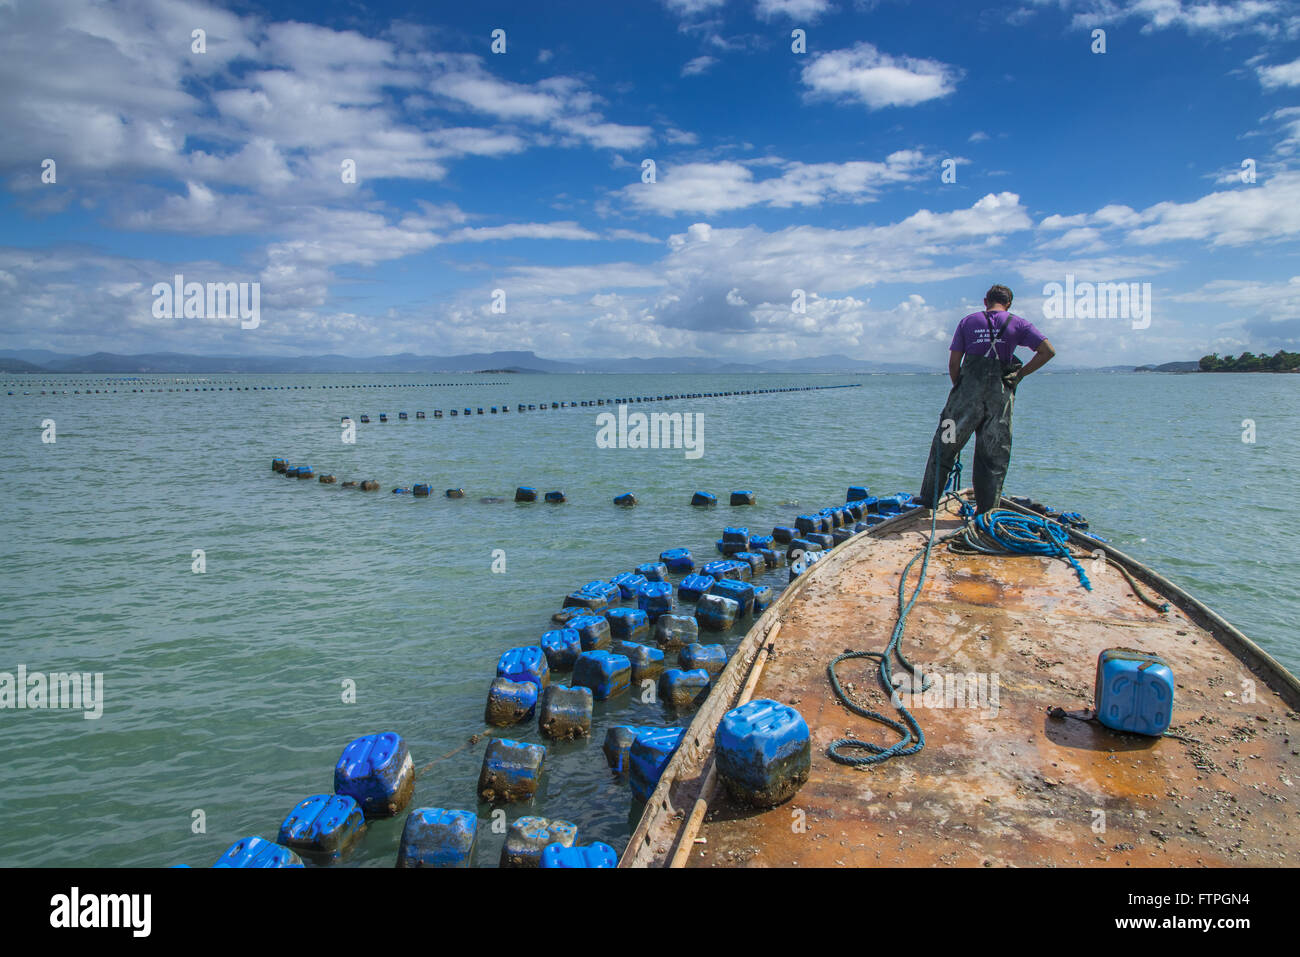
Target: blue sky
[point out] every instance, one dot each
(775, 170)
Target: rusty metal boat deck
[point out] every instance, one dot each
(999, 783)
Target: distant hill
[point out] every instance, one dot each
(1192, 366)
(18, 365)
(36, 356)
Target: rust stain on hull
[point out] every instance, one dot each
(1008, 785)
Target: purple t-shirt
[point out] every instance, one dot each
(972, 336)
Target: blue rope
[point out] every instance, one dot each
(911, 737)
(1025, 535)
(1009, 532)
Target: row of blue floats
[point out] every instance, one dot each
(593, 403)
(437, 414)
(762, 748)
(609, 648)
(524, 493)
(270, 388)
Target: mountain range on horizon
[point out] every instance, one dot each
(36, 361)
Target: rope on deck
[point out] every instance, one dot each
(1004, 532)
(911, 737)
(996, 532)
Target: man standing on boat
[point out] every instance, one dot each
(985, 372)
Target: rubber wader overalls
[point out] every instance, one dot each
(980, 402)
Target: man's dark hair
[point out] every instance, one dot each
(999, 294)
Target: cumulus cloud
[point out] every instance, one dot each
(113, 93)
(1207, 16)
(1262, 313)
(690, 8)
(1103, 268)
(711, 188)
(803, 10)
(712, 270)
(863, 74)
(568, 230)
(1279, 75)
(698, 65)
(562, 103)
(1082, 238)
(635, 236)
(1266, 212)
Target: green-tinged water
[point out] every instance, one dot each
(224, 691)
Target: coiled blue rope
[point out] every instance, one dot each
(1024, 535)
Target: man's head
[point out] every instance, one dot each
(998, 297)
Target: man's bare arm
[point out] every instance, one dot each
(1040, 359)
(954, 365)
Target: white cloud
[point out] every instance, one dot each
(680, 137)
(1089, 268)
(110, 92)
(711, 188)
(532, 281)
(698, 65)
(705, 264)
(1263, 314)
(566, 230)
(562, 103)
(1289, 118)
(1086, 237)
(1283, 74)
(691, 8)
(1283, 295)
(727, 292)
(201, 211)
(804, 10)
(714, 291)
(1266, 212)
(1210, 16)
(591, 129)
(122, 94)
(863, 74)
(635, 236)
(1056, 221)
(435, 216)
(462, 78)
